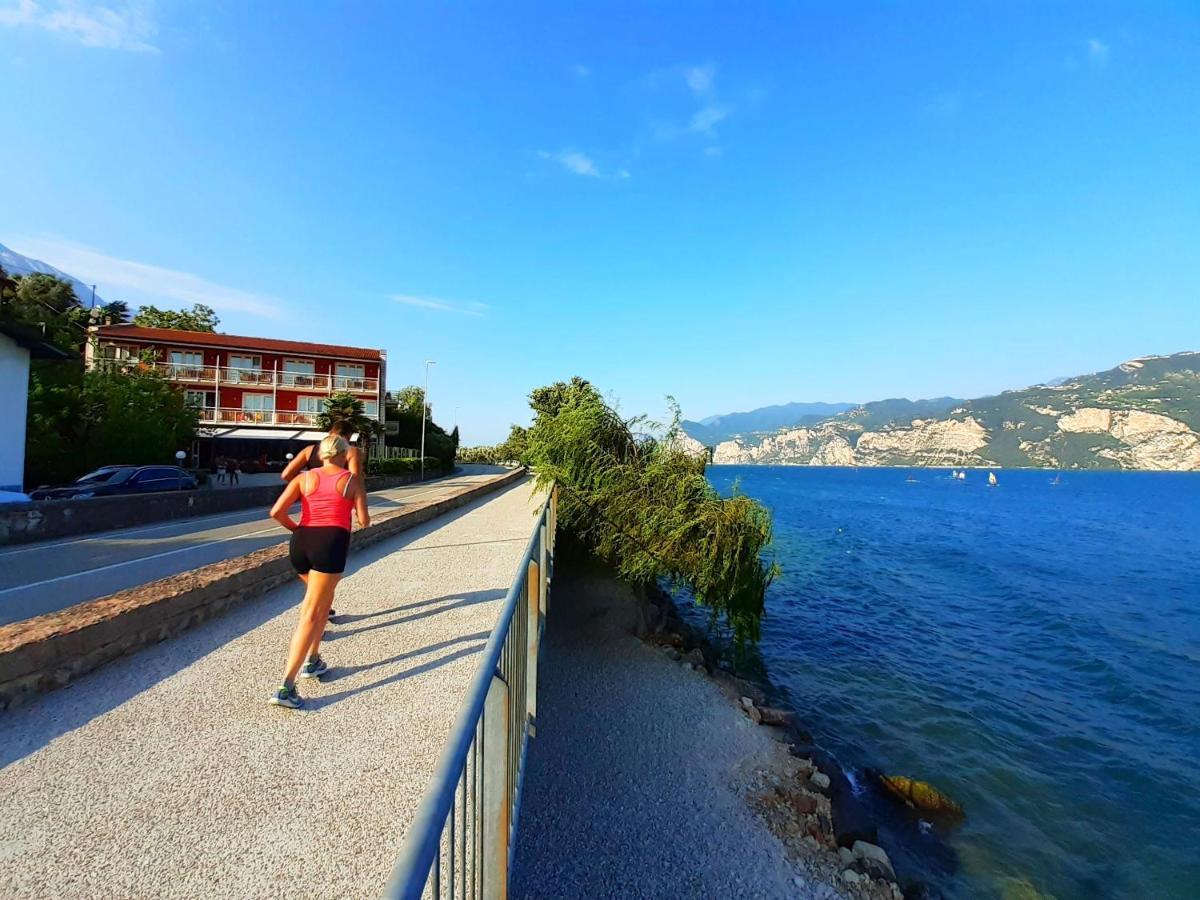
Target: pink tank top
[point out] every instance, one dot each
(326, 506)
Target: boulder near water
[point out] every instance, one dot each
(920, 795)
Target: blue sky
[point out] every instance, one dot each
(737, 204)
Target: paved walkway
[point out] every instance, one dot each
(166, 774)
(52, 575)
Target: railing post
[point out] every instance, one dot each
(496, 799)
(533, 609)
(542, 580)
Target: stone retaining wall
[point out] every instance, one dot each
(23, 523)
(47, 652)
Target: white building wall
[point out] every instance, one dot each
(14, 395)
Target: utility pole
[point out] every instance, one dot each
(425, 413)
(93, 296)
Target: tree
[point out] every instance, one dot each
(345, 407)
(49, 307)
(644, 506)
(78, 421)
(410, 400)
(198, 318)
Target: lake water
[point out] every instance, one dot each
(1031, 649)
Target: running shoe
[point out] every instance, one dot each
(332, 613)
(287, 697)
(314, 669)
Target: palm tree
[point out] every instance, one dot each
(345, 407)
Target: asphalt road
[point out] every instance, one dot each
(52, 575)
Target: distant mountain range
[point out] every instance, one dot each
(15, 263)
(1143, 414)
(721, 428)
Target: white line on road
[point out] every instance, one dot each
(139, 559)
(247, 515)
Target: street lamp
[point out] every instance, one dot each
(424, 413)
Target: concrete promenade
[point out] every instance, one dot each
(167, 774)
(52, 575)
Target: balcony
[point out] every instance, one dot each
(225, 416)
(257, 378)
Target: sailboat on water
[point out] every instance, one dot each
(1057, 478)
(992, 482)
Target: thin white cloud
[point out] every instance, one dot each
(700, 78)
(714, 152)
(705, 119)
(574, 162)
(581, 70)
(126, 25)
(1097, 51)
(466, 309)
(152, 284)
(946, 105)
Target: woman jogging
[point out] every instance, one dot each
(310, 458)
(318, 553)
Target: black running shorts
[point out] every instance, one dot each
(323, 548)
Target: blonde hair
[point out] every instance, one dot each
(332, 445)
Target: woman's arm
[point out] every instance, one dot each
(360, 502)
(279, 512)
(299, 461)
(354, 462)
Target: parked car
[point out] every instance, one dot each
(108, 481)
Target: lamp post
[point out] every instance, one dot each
(424, 413)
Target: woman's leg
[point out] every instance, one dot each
(314, 614)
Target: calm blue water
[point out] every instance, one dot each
(1032, 650)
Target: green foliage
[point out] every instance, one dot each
(512, 450)
(645, 507)
(198, 318)
(405, 416)
(402, 466)
(344, 406)
(78, 421)
(408, 400)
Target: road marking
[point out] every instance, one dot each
(204, 521)
(130, 562)
(139, 559)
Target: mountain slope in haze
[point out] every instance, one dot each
(1143, 414)
(15, 263)
(715, 429)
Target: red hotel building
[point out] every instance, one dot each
(257, 396)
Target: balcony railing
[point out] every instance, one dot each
(212, 416)
(236, 375)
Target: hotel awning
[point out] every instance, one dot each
(264, 434)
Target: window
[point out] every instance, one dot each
(349, 376)
(371, 408)
(185, 365)
(257, 407)
(298, 372)
(311, 405)
(198, 399)
(245, 369)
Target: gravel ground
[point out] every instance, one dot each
(166, 774)
(635, 783)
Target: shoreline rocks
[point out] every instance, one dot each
(809, 804)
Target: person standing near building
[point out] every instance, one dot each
(220, 464)
(234, 470)
(319, 545)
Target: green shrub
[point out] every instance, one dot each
(644, 505)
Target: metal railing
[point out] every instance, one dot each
(235, 416)
(236, 375)
(462, 838)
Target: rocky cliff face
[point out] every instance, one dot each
(1144, 414)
